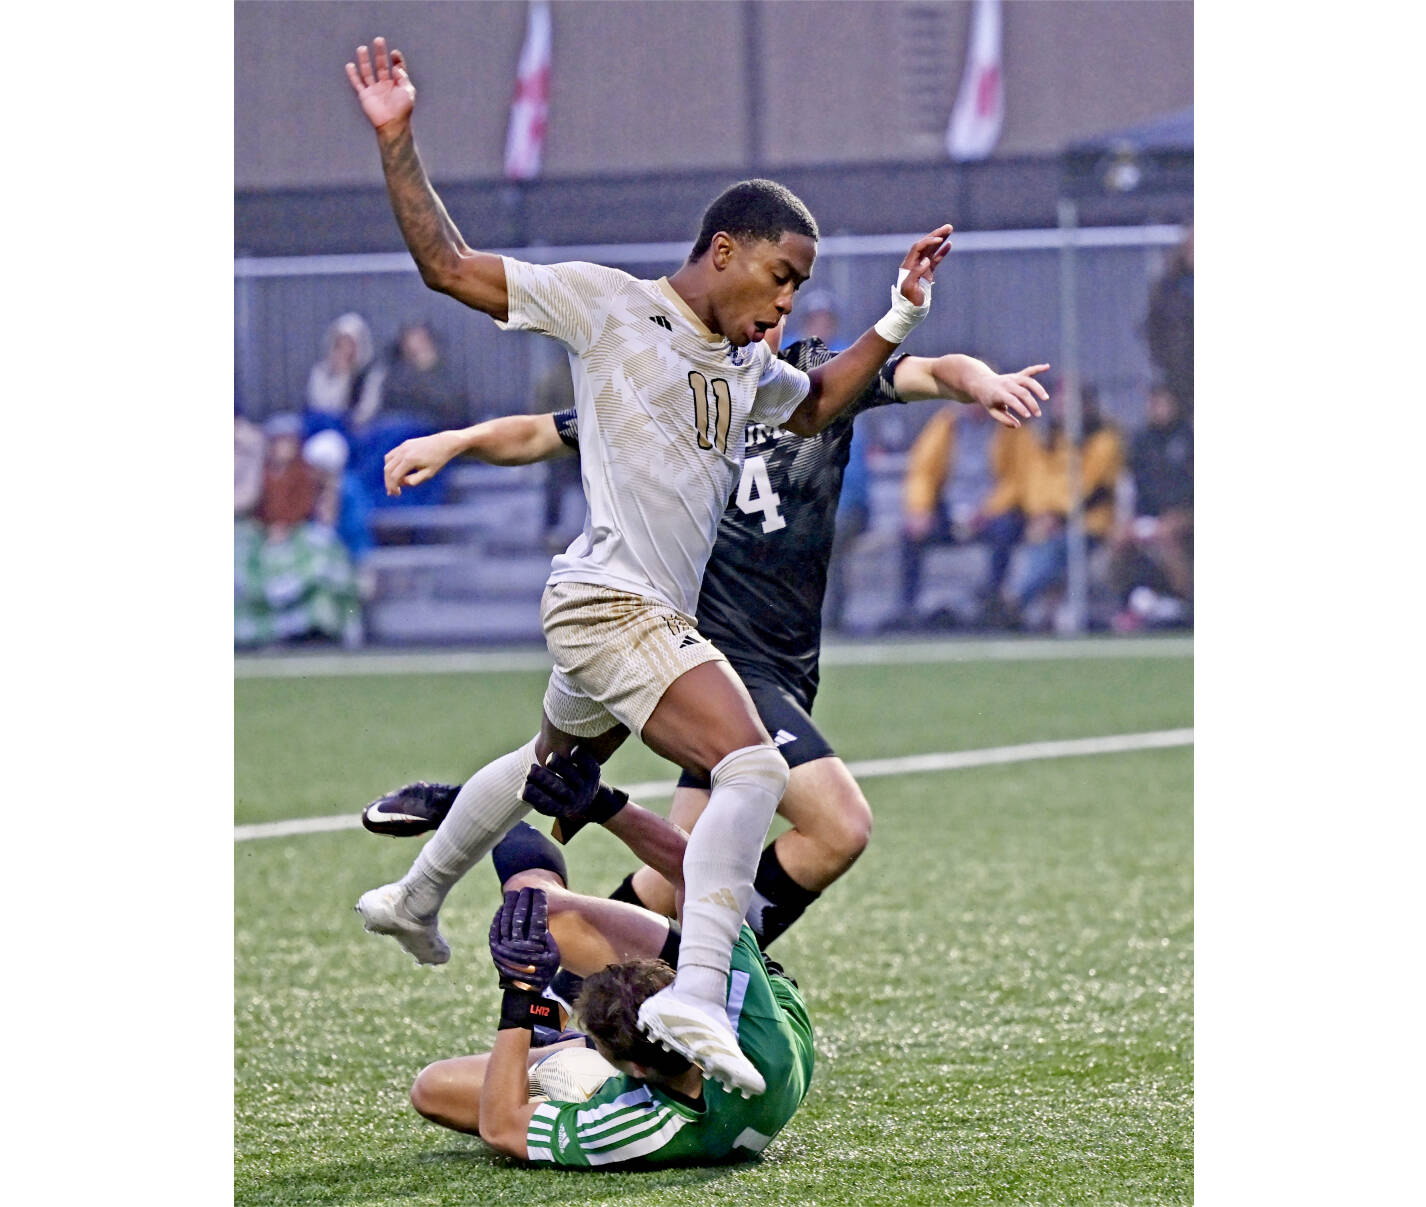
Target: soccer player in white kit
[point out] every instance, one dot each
(667, 376)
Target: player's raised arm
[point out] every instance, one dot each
(509, 440)
(447, 264)
(841, 381)
(526, 957)
(1009, 397)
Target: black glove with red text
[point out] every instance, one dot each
(526, 957)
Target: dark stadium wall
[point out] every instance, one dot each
(667, 87)
(853, 199)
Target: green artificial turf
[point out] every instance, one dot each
(1001, 987)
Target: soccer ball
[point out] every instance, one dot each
(569, 1075)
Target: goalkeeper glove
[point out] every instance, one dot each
(567, 788)
(526, 957)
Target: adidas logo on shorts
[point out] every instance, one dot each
(684, 633)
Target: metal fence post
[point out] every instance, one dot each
(1077, 577)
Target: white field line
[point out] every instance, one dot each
(880, 653)
(953, 760)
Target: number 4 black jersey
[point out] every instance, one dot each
(761, 600)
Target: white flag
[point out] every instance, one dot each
(529, 111)
(979, 110)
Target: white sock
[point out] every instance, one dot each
(720, 863)
(487, 805)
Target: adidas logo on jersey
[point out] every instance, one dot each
(782, 738)
(689, 639)
(661, 321)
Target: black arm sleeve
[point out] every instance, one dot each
(807, 354)
(568, 428)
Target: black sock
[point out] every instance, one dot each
(626, 892)
(669, 952)
(778, 900)
(523, 848)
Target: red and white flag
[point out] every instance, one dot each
(979, 110)
(529, 111)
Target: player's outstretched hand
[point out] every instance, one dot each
(1010, 397)
(525, 953)
(382, 86)
(921, 261)
(416, 460)
(567, 788)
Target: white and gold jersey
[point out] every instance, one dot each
(662, 404)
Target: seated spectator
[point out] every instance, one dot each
(341, 504)
(338, 385)
(1168, 329)
(289, 484)
(924, 520)
(1151, 568)
(962, 456)
(999, 521)
(413, 386)
(1047, 500)
(249, 454)
(293, 578)
(410, 393)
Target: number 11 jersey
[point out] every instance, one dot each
(663, 404)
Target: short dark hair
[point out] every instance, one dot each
(755, 209)
(609, 1005)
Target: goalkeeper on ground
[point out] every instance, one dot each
(657, 1108)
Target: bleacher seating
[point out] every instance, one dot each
(472, 569)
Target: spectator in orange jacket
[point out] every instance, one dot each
(998, 520)
(923, 510)
(1046, 497)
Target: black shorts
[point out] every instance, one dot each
(790, 725)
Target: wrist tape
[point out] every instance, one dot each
(901, 320)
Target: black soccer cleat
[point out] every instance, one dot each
(411, 810)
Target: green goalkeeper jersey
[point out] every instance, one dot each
(632, 1120)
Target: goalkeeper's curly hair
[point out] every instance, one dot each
(609, 1004)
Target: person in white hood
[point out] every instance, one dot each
(337, 381)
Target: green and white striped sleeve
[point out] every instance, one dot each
(624, 1121)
